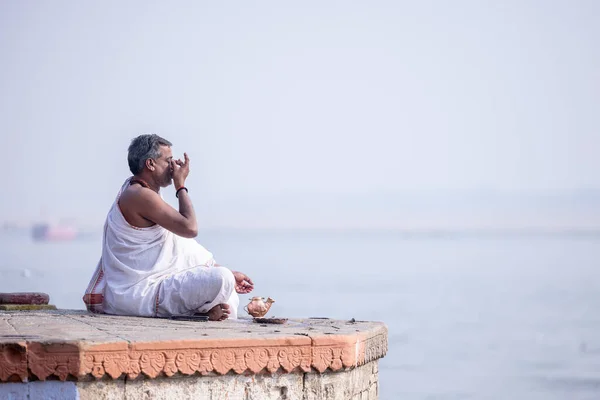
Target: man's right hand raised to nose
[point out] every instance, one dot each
(181, 170)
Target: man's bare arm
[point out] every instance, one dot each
(186, 208)
(153, 208)
(182, 222)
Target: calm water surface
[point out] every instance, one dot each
(511, 317)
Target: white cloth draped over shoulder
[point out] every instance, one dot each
(153, 272)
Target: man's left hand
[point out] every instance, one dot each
(243, 284)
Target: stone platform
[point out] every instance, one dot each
(101, 356)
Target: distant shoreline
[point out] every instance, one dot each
(406, 233)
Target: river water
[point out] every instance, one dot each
(469, 317)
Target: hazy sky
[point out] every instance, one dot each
(293, 100)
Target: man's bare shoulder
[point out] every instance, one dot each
(139, 199)
(135, 193)
(136, 203)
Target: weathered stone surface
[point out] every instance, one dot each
(251, 387)
(356, 384)
(24, 298)
(105, 390)
(74, 345)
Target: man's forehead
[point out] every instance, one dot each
(165, 151)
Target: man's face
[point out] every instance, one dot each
(163, 172)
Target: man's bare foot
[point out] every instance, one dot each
(219, 312)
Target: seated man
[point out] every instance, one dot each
(151, 265)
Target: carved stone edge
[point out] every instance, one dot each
(373, 346)
(63, 360)
(59, 360)
(13, 362)
(154, 363)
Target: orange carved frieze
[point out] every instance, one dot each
(13, 362)
(316, 352)
(135, 368)
(59, 360)
(116, 364)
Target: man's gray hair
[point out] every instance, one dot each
(142, 148)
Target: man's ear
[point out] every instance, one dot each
(150, 164)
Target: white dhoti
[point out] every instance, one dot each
(153, 272)
(198, 289)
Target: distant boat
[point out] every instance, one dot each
(49, 232)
